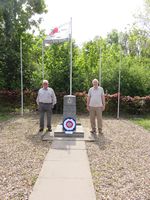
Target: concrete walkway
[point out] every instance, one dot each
(65, 174)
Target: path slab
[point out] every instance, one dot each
(65, 174)
(65, 169)
(66, 155)
(63, 189)
(74, 144)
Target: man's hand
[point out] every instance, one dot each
(103, 108)
(37, 108)
(88, 108)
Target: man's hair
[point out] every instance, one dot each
(45, 81)
(95, 80)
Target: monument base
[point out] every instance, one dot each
(59, 132)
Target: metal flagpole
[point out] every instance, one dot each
(100, 66)
(71, 56)
(118, 109)
(21, 77)
(43, 60)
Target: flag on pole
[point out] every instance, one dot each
(55, 30)
(59, 34)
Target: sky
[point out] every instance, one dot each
(91, 18)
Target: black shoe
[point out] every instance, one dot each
(93, 131)
(100, 133)
(41, 129)
(49, 130)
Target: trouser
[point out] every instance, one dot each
(96, 112)
(45, 107)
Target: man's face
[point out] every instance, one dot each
(45, 85)
(95, 84)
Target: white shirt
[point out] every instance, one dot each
(95, 95)
(46, 96)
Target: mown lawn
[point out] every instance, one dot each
(6, 112)
(4, 116)
(143, 121)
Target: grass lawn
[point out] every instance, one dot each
(6, 112)
(5, 116)
(143, 121)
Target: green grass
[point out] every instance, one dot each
(6, 112)
(4, 116)
(143, 121)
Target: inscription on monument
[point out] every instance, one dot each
(69, 107)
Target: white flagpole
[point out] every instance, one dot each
(43, 60)
(118, 109)
(21, 77)
(100, 66)
(71, 56)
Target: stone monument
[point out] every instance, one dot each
(69, 126)
(69, 107)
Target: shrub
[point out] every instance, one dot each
(131, 105)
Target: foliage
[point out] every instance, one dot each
(144, 17)
(15, 20)
(4, 116)
(144, 122)
(129, 51)
(128, 104)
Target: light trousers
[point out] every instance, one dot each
(96, 112)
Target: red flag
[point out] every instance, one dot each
(55, 30)
(59, 34)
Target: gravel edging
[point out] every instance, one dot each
(21, 153)
(120, 161)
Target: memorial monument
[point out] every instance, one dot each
(69, 126)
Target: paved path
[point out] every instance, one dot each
(65, 174)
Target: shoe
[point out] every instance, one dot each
(93, 131)
(41, 129)
(100, 133)
(49, 130)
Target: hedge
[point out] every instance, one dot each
(128, 104)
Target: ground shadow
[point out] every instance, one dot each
(101, 141)
(36, 139)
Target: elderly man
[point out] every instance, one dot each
(46, 100)
(95, 106)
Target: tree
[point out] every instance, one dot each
(144, 17)
(16, 20)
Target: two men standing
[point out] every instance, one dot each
(46, 100)
(96, 105)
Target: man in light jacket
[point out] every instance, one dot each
(46, 100)
(95, 106)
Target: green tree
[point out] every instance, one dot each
(144, 17)
(16, 20)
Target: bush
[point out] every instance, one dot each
(131, 105)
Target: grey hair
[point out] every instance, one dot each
(95, 80)
(45, 81)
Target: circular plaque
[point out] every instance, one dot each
(69, 124)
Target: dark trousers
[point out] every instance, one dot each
(45, 108)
